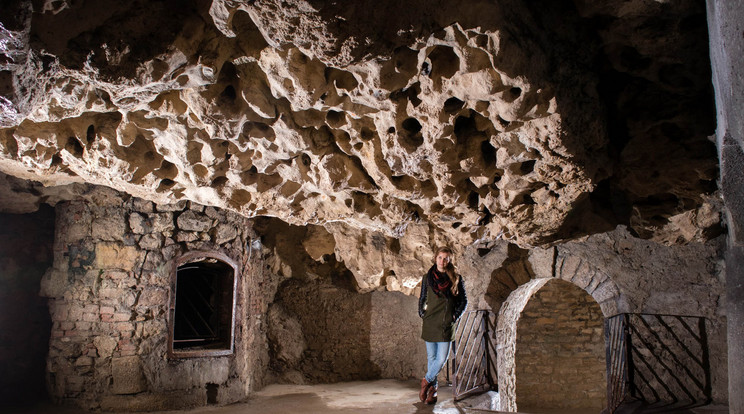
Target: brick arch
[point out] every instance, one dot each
(598, 284)
(566, 267)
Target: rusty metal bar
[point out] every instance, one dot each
(471, 359)
(472, 344)
(616, 351)
(464, 346)
(468, 368)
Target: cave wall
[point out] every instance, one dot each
(109, 291)
(25, 254)
(297, 320)
(727, 57)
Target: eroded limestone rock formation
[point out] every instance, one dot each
(459, 122)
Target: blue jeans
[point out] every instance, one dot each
(436, 353)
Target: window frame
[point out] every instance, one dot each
(195, 257)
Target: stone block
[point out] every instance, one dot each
(122, 316)
(90, 317)
(151, 241)
(189, 220)
(127, 374)
(125, 347)
(138, 224)
(53, 284)
(179, 206)
(195, 207)
(144, 206)
(214, 213)
(105, 345)
(154, 297)
(59, 310)
(109, 293)
(109, 227)
(162, 222)
(115, 256)
(186, 237)
(224, 233)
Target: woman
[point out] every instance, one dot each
(442, 301)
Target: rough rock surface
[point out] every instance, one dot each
(532, 122)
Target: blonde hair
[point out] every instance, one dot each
(450, 269)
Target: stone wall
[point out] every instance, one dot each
(727, 56)
(25, 253)
(109, 291)
(320, 327)
(323, 333)
(622, 273)
(560, 355)
(655, 279)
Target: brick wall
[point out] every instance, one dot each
(560, 355)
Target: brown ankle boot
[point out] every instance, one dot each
(431, 394)
(424, 389)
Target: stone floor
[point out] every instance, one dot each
(383, 396)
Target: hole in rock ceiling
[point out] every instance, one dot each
(453, 104)
(90, 134)
(74, 147)
(411, 125)
(444, 62)
(488, 152)
(366, 134)
(335, 118)
(527, 167)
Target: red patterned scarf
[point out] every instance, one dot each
(440, 282)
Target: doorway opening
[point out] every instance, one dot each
(560, 353)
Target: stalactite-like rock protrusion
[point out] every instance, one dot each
(535, 123)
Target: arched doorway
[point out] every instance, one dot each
(551, 348)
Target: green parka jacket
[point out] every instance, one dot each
(440, 312)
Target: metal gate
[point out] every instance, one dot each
(660, 360)
(616, 335)
(473, 355)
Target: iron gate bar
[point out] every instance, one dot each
(648, 383)
(661, 362)
(471, 355)
(616, 361)
(637, 349)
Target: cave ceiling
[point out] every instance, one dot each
(533, 122)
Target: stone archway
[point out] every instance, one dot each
(598, 289)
